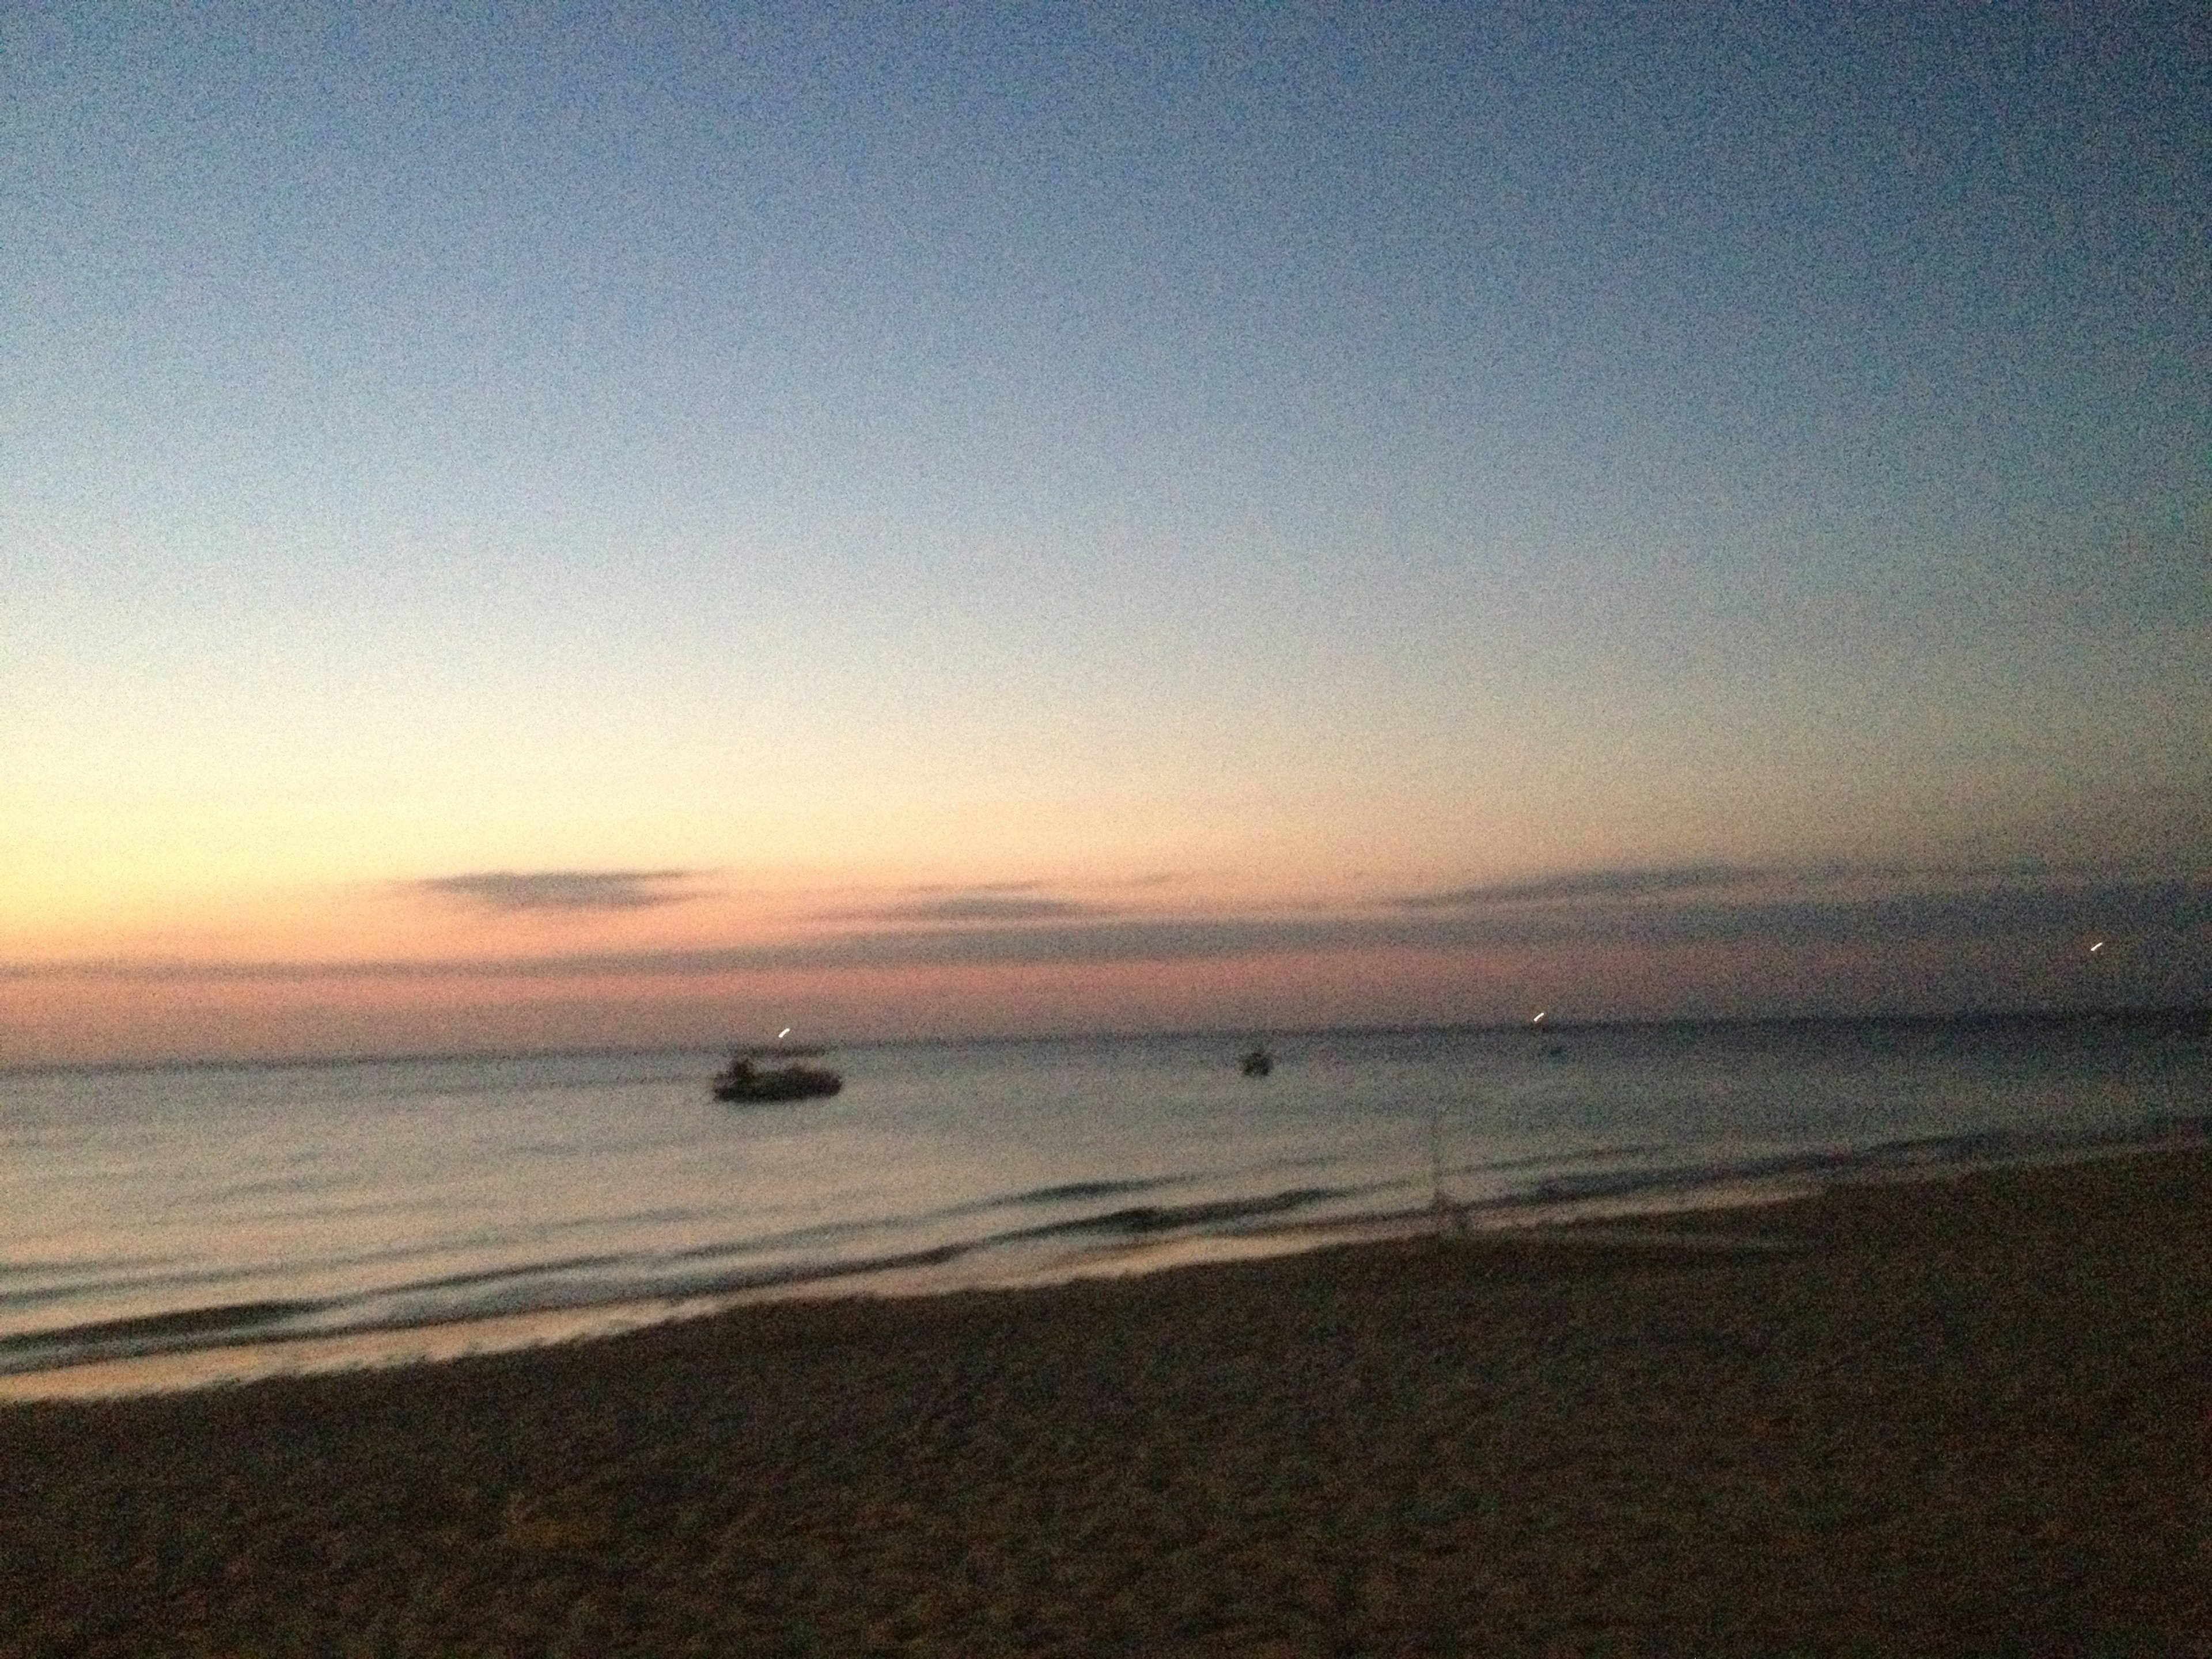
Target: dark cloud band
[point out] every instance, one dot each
(1587, 884)
(981, 906)
(563, 890)
(2167, 908)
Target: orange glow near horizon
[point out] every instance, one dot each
(657, 953)
(67, 1019)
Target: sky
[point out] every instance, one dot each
(535, 526)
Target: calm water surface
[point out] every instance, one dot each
(239, 1214)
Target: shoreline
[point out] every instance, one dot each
(1969, 1411)
(1563, 1218)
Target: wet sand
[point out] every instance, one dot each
(1973, 1414)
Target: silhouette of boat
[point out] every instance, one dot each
(745, 1080)
(1257, 1062)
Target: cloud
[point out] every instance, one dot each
(2161, 908)
(981, 906)
(981, 903)
(978, 887)
(1987, 909)
(562, 889)
(1587, 884)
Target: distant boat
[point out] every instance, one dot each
(744, 1079)
(1257, 1062)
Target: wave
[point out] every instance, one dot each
(70, 1289)
(1140, 1220)
(1963, 1150)
(825, 1254)
(1552, 1160)
(1070, 1191)
(612, 1280)
(218, 1326)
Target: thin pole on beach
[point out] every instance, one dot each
(1449, 1218)
(1438, 1208)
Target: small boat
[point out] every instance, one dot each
(1257, 1062)
(744, 1079)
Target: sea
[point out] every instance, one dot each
(182, 1226)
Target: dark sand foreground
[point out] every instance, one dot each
(1965, 1416)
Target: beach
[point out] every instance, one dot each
(1969, 1413)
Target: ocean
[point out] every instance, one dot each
(182, 1225)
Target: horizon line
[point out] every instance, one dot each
(1964, 1015)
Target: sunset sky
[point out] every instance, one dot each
(549, 525)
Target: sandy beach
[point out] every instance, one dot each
(1971, 1414)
